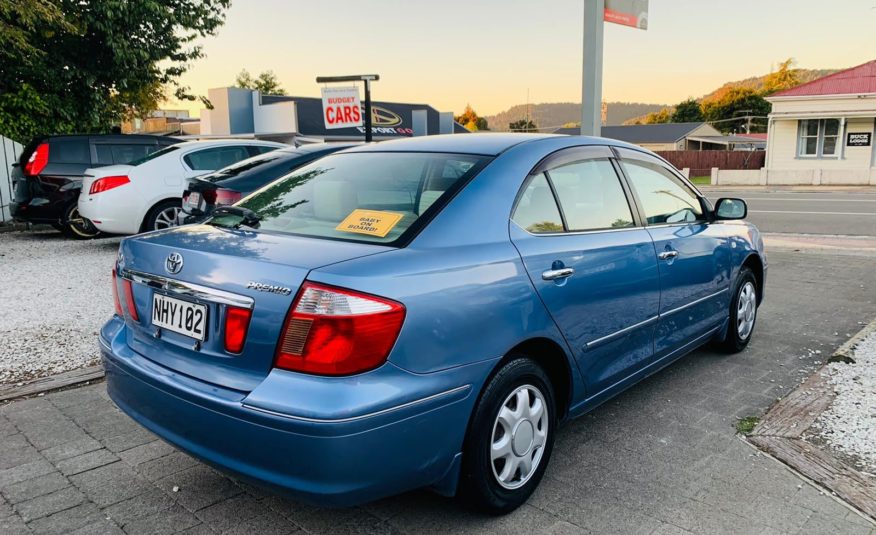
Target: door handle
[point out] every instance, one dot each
(556, 274)
(667, 255)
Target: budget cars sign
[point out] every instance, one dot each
(341, 107)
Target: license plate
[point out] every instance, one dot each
(179, 316)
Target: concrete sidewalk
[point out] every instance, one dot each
(661, 458)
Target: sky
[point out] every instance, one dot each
(493, 53)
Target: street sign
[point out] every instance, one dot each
(341, 107)
(627, 12)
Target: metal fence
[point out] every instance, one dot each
(10, 153)
(701, 162)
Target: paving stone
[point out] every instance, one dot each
(13, 525)
(165, 466)
(110, 484)
(131, 439)
(150, 502)
(6, 427)
(146, 452)
(818, 524)
(228, 513)
(71, 449)
(202, 529)
(199, 487)
(67, 520)
(31, 488)
(17, 451)
(23, 472)
(102, 527)
(86, 461)
(171, 521)
(267, 524)
(49, 504)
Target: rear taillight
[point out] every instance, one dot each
(107, 183)
(236, 324)
(116, 301)
(38, 160)
(221, 196)
(333, 331)
(128, 288)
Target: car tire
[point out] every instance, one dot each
(73, 225)
(515, 419)
(163, 215)
(743, 313)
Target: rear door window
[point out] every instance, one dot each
(367, 197)
(216, 157)
(69, 150)
(591, 196)
(122, 153)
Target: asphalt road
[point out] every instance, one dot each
(851, 213)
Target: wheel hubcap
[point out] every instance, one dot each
(519, 435)
(167, 218)
(746, 309)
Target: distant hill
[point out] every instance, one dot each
(756, 82)
(559, 113)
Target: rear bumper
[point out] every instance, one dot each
(340, 461)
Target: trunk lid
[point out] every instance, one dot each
(218, 265)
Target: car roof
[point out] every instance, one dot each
(108, 137)
(319, 147)
(220, 142)
(486, 144)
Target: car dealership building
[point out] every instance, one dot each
(244, 112)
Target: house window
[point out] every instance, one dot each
(819, 138)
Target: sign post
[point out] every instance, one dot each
(596, 12)
(367, 78)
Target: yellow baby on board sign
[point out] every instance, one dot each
(371, 222)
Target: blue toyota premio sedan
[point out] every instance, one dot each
(424, 312)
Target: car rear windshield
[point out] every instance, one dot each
(365, 197)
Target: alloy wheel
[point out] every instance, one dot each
(79, 225)
(167, 218)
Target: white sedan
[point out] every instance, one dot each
(147, 194)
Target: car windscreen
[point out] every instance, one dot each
(250, 164)
(365, 197)
(154, 155)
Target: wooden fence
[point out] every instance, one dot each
(701, 162)
(9, 155)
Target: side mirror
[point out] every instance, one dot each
(728, 209)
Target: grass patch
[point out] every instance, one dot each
(744, 426)
(701, 180)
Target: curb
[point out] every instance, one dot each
(61, 381)
(780, 432)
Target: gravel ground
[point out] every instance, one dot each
(849, 424)
(54, 298)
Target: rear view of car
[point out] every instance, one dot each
(48, 176)
(227, 186)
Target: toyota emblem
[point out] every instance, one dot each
(174, 263)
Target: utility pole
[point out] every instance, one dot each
(591, 91)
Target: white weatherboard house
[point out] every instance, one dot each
(822, 132)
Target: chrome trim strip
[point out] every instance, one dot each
(617, 334)
(625, 330)
(692, 303)
(578, 232)
(363, 416)
(189, 289)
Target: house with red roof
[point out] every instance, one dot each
(822, 132)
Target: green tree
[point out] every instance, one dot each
(471, 120)
(658, 117)
(522, 125)
(84, 65)
(266, 83)
(688, 111)
(729, 112)
(784, 78)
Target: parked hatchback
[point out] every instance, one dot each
(48, 175)
(424, 313)
(147, 194)
(229, 185)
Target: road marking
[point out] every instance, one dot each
(808, 213)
